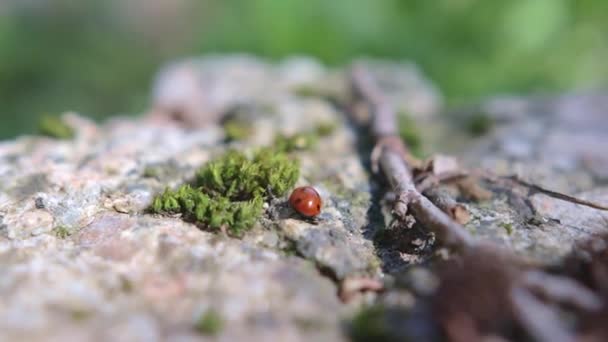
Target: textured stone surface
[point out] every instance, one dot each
(81, 259)
(557, 143)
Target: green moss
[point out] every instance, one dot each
(410, 133)
(62, 232)
(237, 130)
(80, 314)
(307, 90)
(508, 227)
(479, 124)
(151, 172)
(309, 323)
(370, 325)
(230, 191)
(325, 128)
(214, 212)
(55, 127)
(240, 178)
(303, 141)
(161, 171)
(126, 285)
(326, 90)
(296, 142)
(210, 323)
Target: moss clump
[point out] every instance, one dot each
(151, 172)
(296, 142)
(479, 124)
(80, 314)
(325, 128)
(161, 171)
(303, 141)
(410, 133)
(210, 323)
(308, 90)
(62, 232)
(508, 227)
(55, 127)
(236, 130)
(370, 325)
(230, 191)
(240, 178)
(391, 323)
(214, 212)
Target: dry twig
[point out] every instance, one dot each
(489, 288)
(505, 181)
(391, 156)
(562, 289)
(555, 194)
(538, 319)
(444, 201)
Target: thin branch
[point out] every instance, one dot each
(444, 201)
(538, 319)
(425, 182)
(562, 289)
(512, 180)
(556, 194)
(391, 156)
(516, 180)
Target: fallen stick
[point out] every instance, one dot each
(514, 180)
(538, 319)
(505, 181)
(524, 280)
(391, 156)
(555, 194)
(444, 201)
(562, 289)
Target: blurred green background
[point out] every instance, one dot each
(99, 57)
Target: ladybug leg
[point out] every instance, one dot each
(311, 220)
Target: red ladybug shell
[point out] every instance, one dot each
(306, 201)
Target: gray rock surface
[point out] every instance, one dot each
(81, 259)
(558, 143)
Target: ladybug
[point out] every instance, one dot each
(306, 201)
